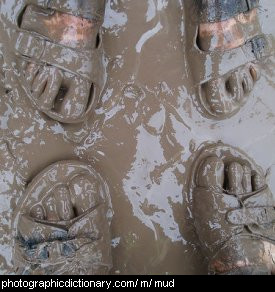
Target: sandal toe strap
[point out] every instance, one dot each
(81, 63)
(249, 216)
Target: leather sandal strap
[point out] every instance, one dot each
(81, 63)
(248, 216)
(255, 49)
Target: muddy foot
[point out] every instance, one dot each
(231, 40)
(63, 61)
(234, 213)
(61, 223)
(227, 94)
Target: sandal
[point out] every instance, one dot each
(225, 53)
(59, 45)
(233, 210)
(61, 224)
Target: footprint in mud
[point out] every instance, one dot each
(234, 212)
(229, 36)
(61, 223)
(62, 58)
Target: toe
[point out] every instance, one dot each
(211, 173)
(217, 97)
(258, 181)
(235, 178)
(31, 72)
(64, 205)
(50, 208)
(224, 95)
(53, 87)
(76, 100)
(84, 193)
(38, 212)
(247, 82)
(247, 183)
(255, 72)
(234, 86)
(39, 83)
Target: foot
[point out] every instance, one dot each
(226, 95)
(63, 229)
(234, 216)
(221, 30)
(59, 93)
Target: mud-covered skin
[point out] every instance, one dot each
(61, 225)
(234, 212)
(141, 137)
(53, 38)
(227, 94)
(223, 94)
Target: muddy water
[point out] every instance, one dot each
(142, 137)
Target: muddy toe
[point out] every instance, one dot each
(50, 207)
(31, 72)
(62, 93)
(211, 173)
(250, 74)
(40, 82)
(75, 101)
(234, 86)
(255, 72)
(247, 82)
(38, 212)
(258, 181)
(223, 95)
(234, 178)
(64, 204)
(47, 99)
(84, 194)
(247, 179)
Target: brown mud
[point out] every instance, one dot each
(143, 136)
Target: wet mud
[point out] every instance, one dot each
(141, 130)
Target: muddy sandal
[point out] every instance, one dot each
(61, 225)
(225, 51)
(59, 43)
(234, 212)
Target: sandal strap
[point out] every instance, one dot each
(248, 216)
(89, 9)
(81, 63)
(220, 10)
(258, 48)
(59, 251)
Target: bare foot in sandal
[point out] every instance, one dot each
(63, 63)
(234, 212)
(61, 223)
(229, 38)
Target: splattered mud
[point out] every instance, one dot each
(144, 134)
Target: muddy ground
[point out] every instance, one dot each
(142, 137)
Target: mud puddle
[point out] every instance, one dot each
(142, 139)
